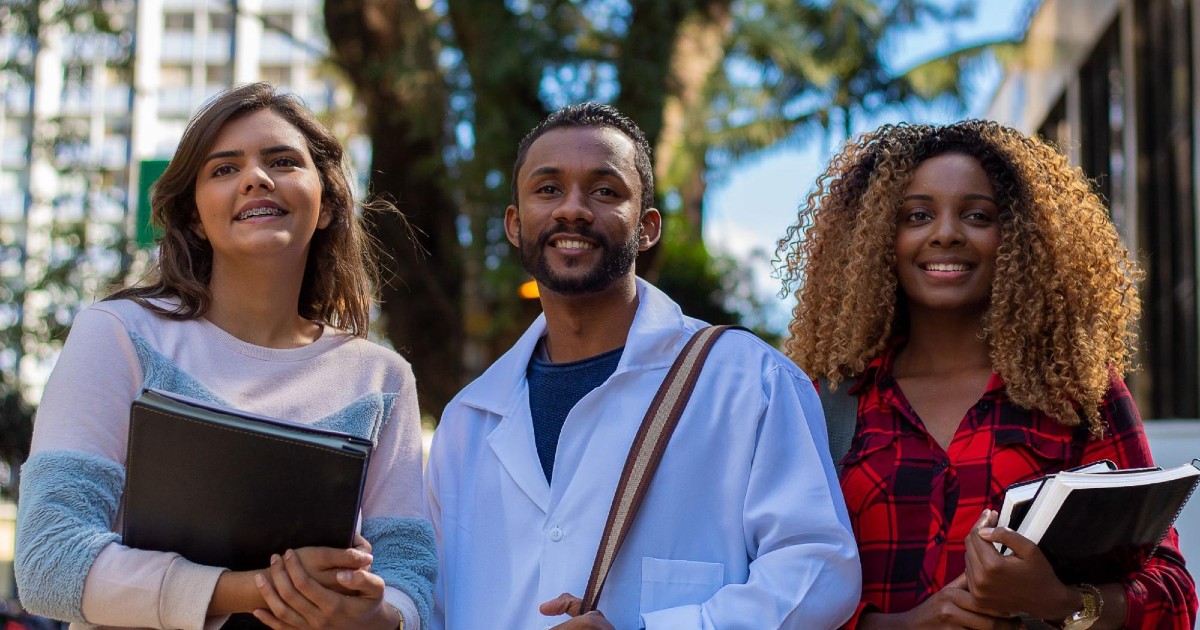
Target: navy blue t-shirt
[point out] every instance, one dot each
(554, 388)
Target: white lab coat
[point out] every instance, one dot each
(744, 525)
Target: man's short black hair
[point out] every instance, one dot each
(598, 116)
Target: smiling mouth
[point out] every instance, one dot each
(573, 244)
(265, 211)
(946, 267)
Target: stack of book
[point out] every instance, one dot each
(1097, 524)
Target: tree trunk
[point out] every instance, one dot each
(682, 148)
(663, 86)
(388, 50)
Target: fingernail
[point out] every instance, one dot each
(986, 532)
(260, 580)
(288, 554)
(343, 576)
(274, 558)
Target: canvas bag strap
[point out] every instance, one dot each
(646, 452)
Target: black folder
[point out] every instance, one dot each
(227, 488)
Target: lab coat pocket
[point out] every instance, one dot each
(670, 583)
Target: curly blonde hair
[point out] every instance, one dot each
(1063, 307)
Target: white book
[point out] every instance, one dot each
(1019, 497)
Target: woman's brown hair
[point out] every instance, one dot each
(1063, 306)
(339, 277)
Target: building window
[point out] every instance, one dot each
(76, 77)
(175, 76)
(1102, 122)
(220, 22)
(281, 22)
(276, 75)
(1054, 129)
(179, 22)
(115, 76)
(117, 126)
(218, 75)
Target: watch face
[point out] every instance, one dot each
(1084, 618)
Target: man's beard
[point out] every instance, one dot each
(614, 264)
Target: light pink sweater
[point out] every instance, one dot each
(86, 408)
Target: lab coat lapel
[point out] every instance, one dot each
(512, 442)
(658, 332)
(503, 390)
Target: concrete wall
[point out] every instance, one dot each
(1061, 35)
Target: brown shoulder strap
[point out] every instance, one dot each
(646, 452)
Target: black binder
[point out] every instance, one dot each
(227, 488)
(1098, 527)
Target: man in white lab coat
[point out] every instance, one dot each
(744, 524)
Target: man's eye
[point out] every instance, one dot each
(546, 190)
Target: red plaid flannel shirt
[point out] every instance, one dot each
(912, 504)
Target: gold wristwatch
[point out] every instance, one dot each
(1083, 618)
(401, 616)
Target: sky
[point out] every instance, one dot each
(749, 208)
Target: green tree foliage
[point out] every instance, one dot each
(448, 87)
(708, 80)
(711, 287)
(821, 66)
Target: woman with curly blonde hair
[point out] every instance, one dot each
(966, 285)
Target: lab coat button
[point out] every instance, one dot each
(556, 534)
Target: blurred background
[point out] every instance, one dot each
(743, 101)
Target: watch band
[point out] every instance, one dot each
(400, 615)
(1093, 604)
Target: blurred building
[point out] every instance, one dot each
(126, 96)
(89, 117)
(1115, 84)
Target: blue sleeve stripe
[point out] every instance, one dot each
(67, 506)
(405, 557)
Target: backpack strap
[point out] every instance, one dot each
(841, 418)
(646, 453)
